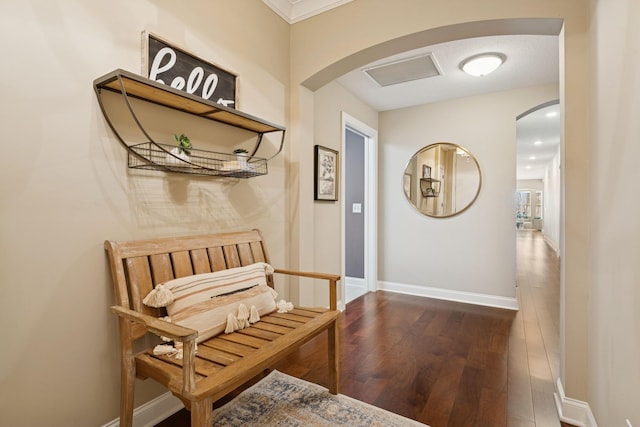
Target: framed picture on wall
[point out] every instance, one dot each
(325, 174)
(426, 171)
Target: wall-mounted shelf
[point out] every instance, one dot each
(429, 187)
(152, 155)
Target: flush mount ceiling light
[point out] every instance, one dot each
(483, 64)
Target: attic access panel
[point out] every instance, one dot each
(404, 70)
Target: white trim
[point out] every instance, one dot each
(451, 295)
(370, 201)
(151, 413)
(551, 244)
(354, 286)
(294, 11)
(573, 411)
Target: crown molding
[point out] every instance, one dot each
(294, 11)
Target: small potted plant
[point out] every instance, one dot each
(181, 152)
(241, 154)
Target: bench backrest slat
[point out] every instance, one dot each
(231, 256)
(138, 275)
(200, 259)
(258, 253)
(216, 258)
(182, 263)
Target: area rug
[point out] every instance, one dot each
(282, 400)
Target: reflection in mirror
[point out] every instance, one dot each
(442, 180)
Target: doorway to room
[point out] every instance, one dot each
(537, 220)
(538, 177)
(359, 237)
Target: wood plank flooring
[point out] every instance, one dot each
(445, 363)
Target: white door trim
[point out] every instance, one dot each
(370, 203)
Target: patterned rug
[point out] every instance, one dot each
(282, 400)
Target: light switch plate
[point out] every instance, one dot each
(356, 208)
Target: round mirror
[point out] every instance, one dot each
(442, 180)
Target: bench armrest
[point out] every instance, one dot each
(175, 332)
(157, 326)
(332, 278)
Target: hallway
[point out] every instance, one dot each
(534, 335)
(446, 363)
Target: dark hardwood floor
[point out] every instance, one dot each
(445, 363)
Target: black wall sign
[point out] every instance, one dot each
(181, 70)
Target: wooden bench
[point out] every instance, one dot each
(226, 361)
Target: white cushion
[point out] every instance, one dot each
(203, 301)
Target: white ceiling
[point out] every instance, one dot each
(531, 60)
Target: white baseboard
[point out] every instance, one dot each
(573, 411)
(355, 282)
(152, 412)
(354, 287)
(552, 245)
(450, 295)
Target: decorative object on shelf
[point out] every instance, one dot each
(152, 155)
(180, 69)
(180, 154)
(426, 171)
(241, 154)
(325, 174)
(184, 143)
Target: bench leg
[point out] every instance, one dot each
(202, 413)
(334, 359)
(127, 385)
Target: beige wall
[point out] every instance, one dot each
(322, 124)
(330, 102)
(614, 347)
(65, 186)
(474, 251)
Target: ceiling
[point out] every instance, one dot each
(531, 60)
